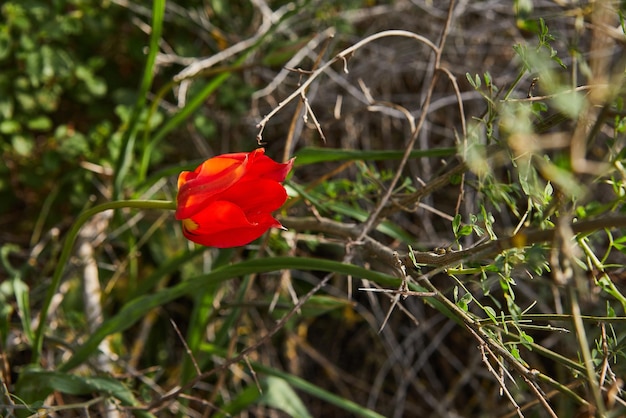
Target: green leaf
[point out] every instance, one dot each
(136, 309)
(21, 292)
(490, 312)
(72, 143)
(205, 126)
(464, 302)
(313, 155)
(466, 230)
(522, 53)
(515, 352)
(456, 224)
(39, 123)
(474, 81)
(22, 145)
(243, 399)
(10, 127)
(280, 395)
(301, 384)
(7, 105)
(5, 45)
(34, 382)
(26, 101)
(95, 85)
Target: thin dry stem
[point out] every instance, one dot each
(158, 403)
(342, 56)
(499, 378)
(374, 216)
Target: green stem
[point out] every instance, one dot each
(514, 84)
(128, 140)
(68, 245)
(583, 343)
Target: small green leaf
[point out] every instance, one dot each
(9, 127)
(610, 312)
(26, 101)
(464, 302)
(5, 45)
(487, 78)
(526, 340)
(466, 230)
(22, 145)
(206, 126)
(474, 81)
(21, 291)
(490, 312)
(412, 257)
(522, 53)
(515, 352)
(7, 105)
(456, 223)
(40, 123)
(280, 395)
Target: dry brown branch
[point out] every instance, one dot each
(374, 216)
(342, 56)
(524, 238)
(269, 18)
(484, 349)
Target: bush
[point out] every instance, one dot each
(455, 240)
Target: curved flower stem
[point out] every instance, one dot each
(68, 245)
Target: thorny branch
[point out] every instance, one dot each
(374, 217)
(342, 56)
(484, 348)
(389, 256)
(269, 19)
(523, 238)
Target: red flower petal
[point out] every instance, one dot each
(256, 195)
(262, 166)
(223, 224)
(227, 200)
(215, 175)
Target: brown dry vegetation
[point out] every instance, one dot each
(537, 333)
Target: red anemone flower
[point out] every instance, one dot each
(229, 199)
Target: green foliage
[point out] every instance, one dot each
(428, 261)
(53, 109)
(42, 71)
(46, 381)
